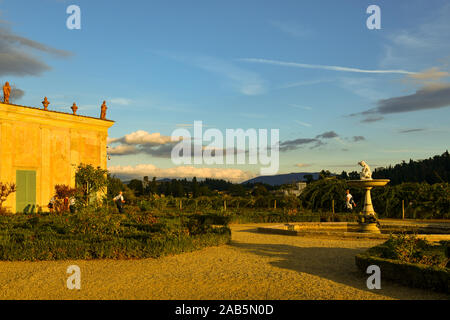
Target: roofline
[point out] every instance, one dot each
(54, 111)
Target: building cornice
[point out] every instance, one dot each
(52, 118)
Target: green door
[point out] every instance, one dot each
(26, 191)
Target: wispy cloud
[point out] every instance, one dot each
(248, 83)
(327, 135)
(422, 43)
(370, 119)
(17, 57)
(253, 115)
(291, 28)
(305, 124)
(320, 140)
(244, 81)
(323, 67)
(121, 101)
(432, 96)
(300, 107)
(365, 87)
(412, 130)
(311, 142)
(358, 138)
(303, 83)
(297, 143)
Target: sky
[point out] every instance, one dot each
(337, 91)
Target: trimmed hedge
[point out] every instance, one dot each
(409, 274)
(255, 216)
(411, 261)
(88, 236)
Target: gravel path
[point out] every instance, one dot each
(253, 266)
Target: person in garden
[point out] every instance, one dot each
(66, 204)
(72, 205)
(119, 200)
(51, 204)
(349, 202)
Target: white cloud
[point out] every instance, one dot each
(123, 150)
(179, 172)
(142, 137)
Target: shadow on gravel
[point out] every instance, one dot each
(252, 230)
(336, 264)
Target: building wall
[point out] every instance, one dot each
(51, 143)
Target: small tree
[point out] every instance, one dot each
(5, 190)
(137, 186)
(90, 181)
(61, 192)
(115, 185)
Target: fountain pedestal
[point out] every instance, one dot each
(368, 221)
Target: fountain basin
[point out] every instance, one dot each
(431, 231)
(368, 183)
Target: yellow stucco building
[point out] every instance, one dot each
(40, 149)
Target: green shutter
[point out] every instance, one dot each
(26, 191)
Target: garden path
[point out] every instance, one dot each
(253, 266)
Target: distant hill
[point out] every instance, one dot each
(280, 179)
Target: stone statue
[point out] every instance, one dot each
(74, 108)
(103, 111)
(45, 103)
(6, 92)
(366, 173)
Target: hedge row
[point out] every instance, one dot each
(409, 274)
(90, 236)
(411, 261)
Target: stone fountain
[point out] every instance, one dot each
(368, 226)
(368, 221)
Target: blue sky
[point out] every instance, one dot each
(302, 67)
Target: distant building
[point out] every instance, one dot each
(145, 182)
(296, 189)
(41, 148)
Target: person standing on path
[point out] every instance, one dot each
(119, 200)
(349, 202)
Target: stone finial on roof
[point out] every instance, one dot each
(6, 92)
(103, 111)
(45, 103)
(74, 108)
